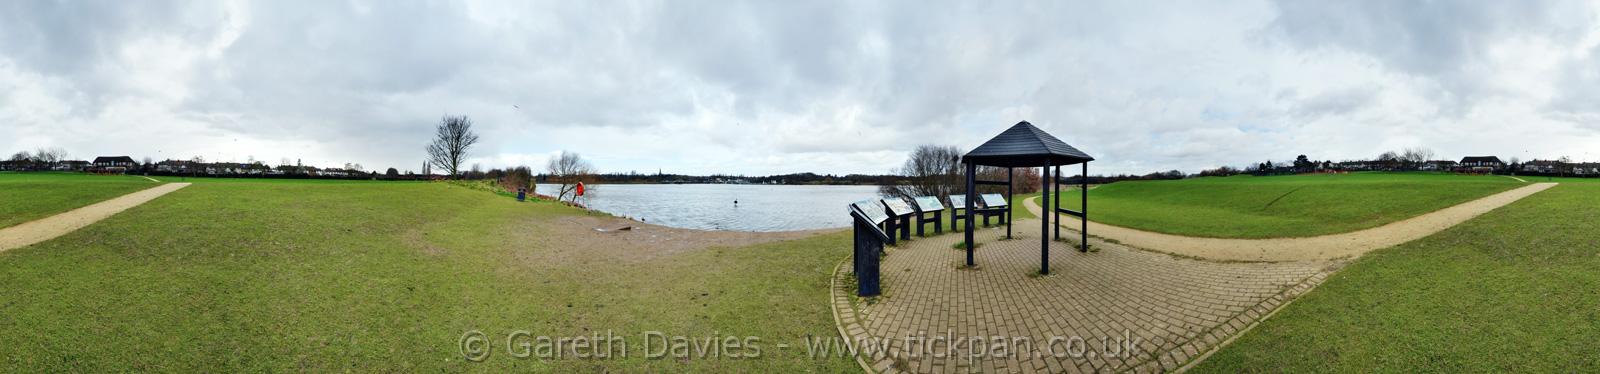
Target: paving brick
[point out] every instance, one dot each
(1177, 307)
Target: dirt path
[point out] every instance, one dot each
(1299, 249)
(53, 226)
(1518, 179)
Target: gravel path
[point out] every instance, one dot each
(1348, 244)
(50, 227)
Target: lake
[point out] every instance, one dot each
(711, 206)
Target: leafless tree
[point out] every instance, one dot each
(50, 156)
(1416, 155)
(517, 178)
(1389, 156)
(931, 170)
(568, 170)
(21, 156)
(451, 141)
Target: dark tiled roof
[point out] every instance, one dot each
(1024, 145)
(1481, 159)
(113, 159)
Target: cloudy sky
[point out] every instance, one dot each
(765, 87)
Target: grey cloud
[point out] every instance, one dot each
(782, 86)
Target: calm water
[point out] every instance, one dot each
(710, 206)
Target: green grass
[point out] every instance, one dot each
(1280, 206)
(29, 196)
(254, 276)
(1512, 290)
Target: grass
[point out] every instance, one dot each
(29, 196)
(1280, 206)
(1511, 290)
(275, 275)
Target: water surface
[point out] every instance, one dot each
(711, 206)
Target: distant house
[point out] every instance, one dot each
(1356, 165)
(173, 166)
(72, 165)
(17, 165)
(1481, 164)
(1586, 169)
(1543, 166)
(113, 164)
(1439, 165)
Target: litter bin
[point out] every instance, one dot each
(522, 194)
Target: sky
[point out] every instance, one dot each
(771, 87)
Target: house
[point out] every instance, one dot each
(1439, 165)
(173, 166)
(1543, 166)
(113, 164)
(71, 165)
(1356, 165)
(1586, 169)
(1480, 164)
(15, 165)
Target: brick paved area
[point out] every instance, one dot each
(1169, 309)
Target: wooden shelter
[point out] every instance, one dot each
(1026, 146)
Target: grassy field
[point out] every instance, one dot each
(29, 196)
(375, 276)
(1280, 206)
(1512, 290)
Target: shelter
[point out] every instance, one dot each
(1026, 146)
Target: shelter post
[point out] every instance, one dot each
(1044, 220)
(1010, 184)
(1056, 187)
(1084, 188)
(971, 186)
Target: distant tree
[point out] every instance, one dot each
(1415, 156)
(1302, 164)
(517, 177)
(452, 139)
(930, 170)
(391, 173)
(1389, 156)
(1221, 171)
(50, 156)
(21, 156)
(568, 170)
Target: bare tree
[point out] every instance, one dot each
(931, 170)
(50, 156)
(451, 141)
(1416, 155)
(517, 178)
(568, 170)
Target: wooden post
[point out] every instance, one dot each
(868, 246)
(1084, 188)
(1056, 190)
(905, 228)
(971, 171)
(1009, 186)
(1044, 222)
